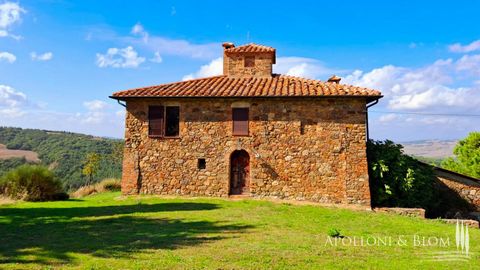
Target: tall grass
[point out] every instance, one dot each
(109, 184)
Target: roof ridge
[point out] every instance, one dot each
(169, 83)
(250, 87)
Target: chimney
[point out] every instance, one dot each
(334, 79)
(249, 60)
(228, 45)
(226, 63)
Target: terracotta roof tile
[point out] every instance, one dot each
(224, 86)
(251, 47)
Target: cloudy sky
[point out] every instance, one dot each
(60, 60)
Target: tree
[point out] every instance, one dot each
(117, 152)
(91, 166)
(398, 180)
(467, 156)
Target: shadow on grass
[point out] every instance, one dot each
(50, 235)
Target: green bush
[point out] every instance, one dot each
(31, 183)
(398, 180)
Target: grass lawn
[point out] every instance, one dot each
(106, 231)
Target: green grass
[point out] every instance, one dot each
(106, 231)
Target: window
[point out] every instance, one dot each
(172, 122)
(202, 164)
(163, 121)
(249, 61)
(240, 121)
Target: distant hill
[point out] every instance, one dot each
(430, 148)
(430, 151)
(63, 152)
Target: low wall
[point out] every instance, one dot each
(465, 187)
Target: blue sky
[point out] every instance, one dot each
(60, 60)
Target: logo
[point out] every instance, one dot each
(462, 241)
(462, 238)
(432, 248)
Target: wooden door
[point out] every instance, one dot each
(239, 172)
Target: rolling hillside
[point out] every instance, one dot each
(63, 152)
(438, 149)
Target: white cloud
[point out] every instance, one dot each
(138, 29)
(11, 102)
(469, 64)
(388, 118)
(294, 66)
(157, 58)
(215, 67)
(95, 105)
(92, 117)
(303, 67)
(10, 13)
(120, 58)
(423, 88)
(459, 48)
(7, 57)
(168, 46)
(100, 118)
(41, 57)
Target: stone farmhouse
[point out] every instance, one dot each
(248, 132)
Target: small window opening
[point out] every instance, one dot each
(202, 164)
(249, 61)
(302, 127)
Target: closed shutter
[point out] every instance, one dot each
(240, 121)
(155, 120)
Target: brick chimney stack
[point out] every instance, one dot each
(249, 60)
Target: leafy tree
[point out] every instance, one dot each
(467, 156)
(91, 166)
(398, 180)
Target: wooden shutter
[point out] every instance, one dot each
(240, 121)
(155, 121)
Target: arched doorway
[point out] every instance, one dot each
(239, 172)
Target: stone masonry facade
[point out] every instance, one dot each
(303, 149)
(306, 138)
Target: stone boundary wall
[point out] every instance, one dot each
(410, 212)
(465, 187)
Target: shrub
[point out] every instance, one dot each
(398, 180)
(31, 183)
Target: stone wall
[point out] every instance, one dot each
(233, 65)
(300, 148)
(465, 187)
(409, 212)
